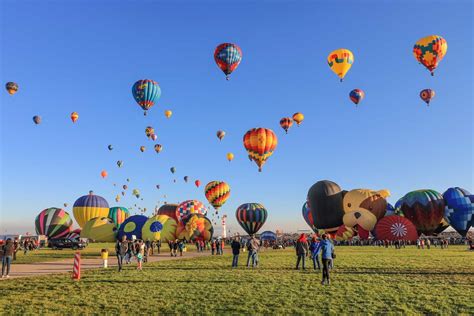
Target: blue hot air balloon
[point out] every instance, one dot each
(146, 92)
(459, 209)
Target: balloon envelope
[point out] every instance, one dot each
(89, 206)
(169, 210)
(118, 214)
(228, 57)
(340, 61)
(99, 229)
(395, 227)
(260, 144)
(325, 202)
(251, 217)
(459, 210)
(53, 222)
(146, 92)
(132, 226)
(159, 227)
(217, 193)
(430, 50)
(308, 217)
(268, 235)
(190, 207)
(195, 227)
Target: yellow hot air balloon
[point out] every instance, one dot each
(430, 50)
(340, 61)
(298, 118)
(142, 148)
(230, 156)
(260, 144)
(99, 229)
(159, 227)
(168, 113)
(89, 206)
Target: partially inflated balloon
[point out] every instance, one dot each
(268, 235)
(298, 118)
(308, 217)
(286, 123)
(430, 50)
(230, 156)
(251, 217)
(74, 234)
(217, 193)
(169, 210)
(132, 226)
(344, 233)
(325, 202)
(395, 227)
(220, 134)
(74, 117)
(190, 207)
(11, 87)
(459, 210)
(228, 57)
(37, 119)
(340, 61)
(146, 92)
(426, 95)
(160, 227)
(168, 113)
(260, 144)
(356, 95)
(89, 206)
(53, 222)
(158, 148)
(101, 229)
(118, 214)
(195, 227)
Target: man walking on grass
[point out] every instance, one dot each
(327, 250)
(253, 245)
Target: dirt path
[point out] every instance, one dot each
(65, 266)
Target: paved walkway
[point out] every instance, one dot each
(65, 266)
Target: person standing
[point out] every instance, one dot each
(213, 246)
(121, 249)
(315, 248)
(7, 258)
(252, 246)
(301, 251)
(218, 247)
(327, 250)
(140, 254)
(180, 247)
(235, 245)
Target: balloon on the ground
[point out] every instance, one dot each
(195, 227)
(11, 87)
(101, 229)
(424, 208)
(74, 234)
(298, 118)
(118, 214)
(430, 50)
(356, 95)
(389, 210)
(325, 202)
(228, 57)
(441, 227)
(340, 61)
(168, 113)
(37, 119)
(459, 210)
(169, 210)
(217, 193)
(251, 217)
(395, 227)
(159, 227)
(286, 123)
(220, 134)
(308, 217)
(132, 226)
(426, 95)
(74, 117)
(190, 207)
(146, 92)
(344, 233)
(260, 144)
(53, 222)
(268, 235)
(89, 206)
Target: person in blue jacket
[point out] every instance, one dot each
(327, 250)
(315, 248)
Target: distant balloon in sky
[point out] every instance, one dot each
(340, 61)
(430, 50)
(119, 163)
(158, 148)
(142, 148)
(37, 119)
(220, 134)
(146, 92)
(168, 113)
(228, 57)
(356, 96)
(74, 117)
(186, 178)
(426, 95)
(173, 169)
(11, 87)
(158, 186)
(298, 118)
(103, 174)
(149, 130)
(230, 156)
(153, 137)
(251, 217)
(110, 147)
(286, 123)
(197, 183)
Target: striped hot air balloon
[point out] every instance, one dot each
(53, 222)
(251, 217)
(146, 92)
(169, 210)
(74, 234)
(228, 57)
(118, 214)
(190, 207)
(286, 123)
(217, 193)
(89, 206)
(260, 144)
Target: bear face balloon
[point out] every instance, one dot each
(325, 201)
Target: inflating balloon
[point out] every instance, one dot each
(217, 193)
(157, 186)
(11, 87)
(251, 217)
(260, 144)
(298, 118)
(169, 210)
(74, 234)
(101, 229)
(146, 92)
(340, 61)
(74, 117)
(268, 236)
(132, 226)
(430, 50)
(325, 202)
(190, 207)
(356, 96)
(37, 119)
(228, 57)
(286, 123)
(395, 227)
(118, 214)
(195, 227)
(89, 206)
(220, 134)
(426, 95)
(160, 227)
(344, 233)
(459, 210)
(53, 222)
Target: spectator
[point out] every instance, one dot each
(327, 250)
(8, 251)
(121, 249)
(315, 248)
(301, 251)
(235, 245)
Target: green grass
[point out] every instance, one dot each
(365, 280)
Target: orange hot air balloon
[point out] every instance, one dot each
(74, 117)
(197, 183)
(142, 148)
(104, 174)
(230, 156)
(286, 123)
(298, 118)
(168, 113)
(260, 144)
(158, 148)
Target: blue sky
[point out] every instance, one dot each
(84, 56)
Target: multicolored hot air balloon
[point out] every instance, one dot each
(230, 157)
(136, 193)
(325, 200)
(217, 193)
(169, 210)
(228, 57)
(344, 233)
(190, 207)
(74, 117)
(153, 137)
(158, 148)
(426, 95)
(459, 210)
(74, 234)
(149, 131)
(142, 148)
(11, 87)
(260, 144)
(146, 92)
(220, 134)
(37, 119)
(286, 123)
(340, 61)
(160, 227)
(195, 227)
(308, 217)
(53, 222)
(132, 226)
(395, 227)
(89, 206)
(356, 96)
(424, 208)
(168, 113)
(197, 183)
(101, 229)
(430, 50)
(118, 214)
(251, 217)
(298, 118)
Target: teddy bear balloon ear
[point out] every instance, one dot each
(384, 193)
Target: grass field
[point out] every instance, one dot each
(365, 280)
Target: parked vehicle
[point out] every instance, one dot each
(62, 243)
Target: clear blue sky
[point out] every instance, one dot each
(84, 56)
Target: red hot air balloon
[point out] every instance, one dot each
(395, 228)
(228, 57)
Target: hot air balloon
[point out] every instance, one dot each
(123, 193)
(110, 147)
(459, 210)
(340, 61)
(344, 233)
(308, 217)
(251, 216)
(65, 204)
(260, 144)
(132, 226)
(11, 87)
(195, 227)
(125, 187)
(158, 186)
(74, 234)
(117, 198)
(424, 208)
(228, 57)
(142, 148)
(119, 163)
(128, 180)
(136, 193)
(190, 207)
(230, 156)
(158, 148)
(146, 92)
(101, 229)
(426, 95)
(268, 235)
(53, 222)
(395, 227)
(356, 96)
(159, 227)
(149, 131)
(168, 113)
(103, 174)
(153, 137)
(89, 206)
(186, 178)
(217, 193)
(118, 214)
(298, 118)
(220, 134)
(74, 117)
(286, 123)
(37, 119)
(168, 210)
(173, 169)
(390, 210)
(197, 183)
(430, 50)
(325, 202)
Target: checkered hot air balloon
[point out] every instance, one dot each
(260, 144)
(53, 222)
(459, 209)
(395, 227)
(190, 207)
(251, 217)
(228, 57)
(430, 50)
(146, 92)
(217, 193)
